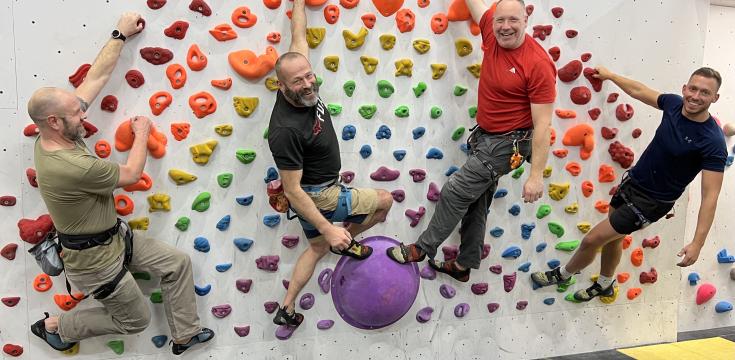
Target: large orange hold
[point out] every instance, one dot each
(66, 302)
(202, 104)
(124, 137)
(581, 135)
(458, 11)
(389, 7)
(251, 66)
(144, 184)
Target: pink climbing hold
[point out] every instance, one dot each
(652, 242)
(450, 252)
(347, 176)
(705, 293)
(492, 307)
(496, 269)
(415, 215)
(612, 97)
(385, 174)
(649, 277)
(624, 112)
(243, 285)
(398, 195)
(267, 262)
(485, 251)
(418, 175)
(509, 282)
(285, 283)
(290, 241)
(479, 288)
(270, 306)
(242, 331)
(220, 311)
(521, 305)
(434, 192)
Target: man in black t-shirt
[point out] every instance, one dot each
(305, 149)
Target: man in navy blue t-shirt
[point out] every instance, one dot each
(687, 141)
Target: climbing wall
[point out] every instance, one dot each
(713, 267)
(500, 322)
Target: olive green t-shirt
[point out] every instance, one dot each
(77, 188)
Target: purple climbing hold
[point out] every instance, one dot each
(306, 301)
(450, 252)
(492, 307)
(385, 174)
(424, 314)
(284, 332)
(270, 306)
(418, 175)
(243, 285)
(324, 324)
(285, 283)
(220, 311)
(434, 192)
(290, 241)
(242, 331)
(509, 282)
(267, 262)
(325, 278)
(479, 288)
(485, 251)
(496, 269)
(375, 292)
(461, 309)
(427, 273)
(447, 291)
(415, 215)
(521, 305)
(347, 176)
(398, 195)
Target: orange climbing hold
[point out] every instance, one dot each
(636, 257)
(180, 130)
(573, 168)
(439, 23)
(389, 7)
(176, 75)
(623, 277)
(553, 136)
(627, 240)
(102, 148)
(606, 173)
(42, 282)
(66, 302)
(315, 2)
(223, 32)
(560, 153)
(331, 14)
(273, 37)
(405, 20)
(195, 58)
(203, 104)
(566, 113)
(124, 205)
(251, 66)
(369, 20)
(159, 102)
(242, 17)
(602, 206)
(475, 28)
(458, 11)
(581, 135)
(272, 4)
(587, 188)
(224, 84)
(349, 4)
(124, 137)
(634, 292)
(144, 184)
(423, 3)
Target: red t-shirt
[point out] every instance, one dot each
(511, 80)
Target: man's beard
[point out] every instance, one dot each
(74, 135)
(298, 97)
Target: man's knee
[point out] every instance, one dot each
(139, 321)
(385, 202)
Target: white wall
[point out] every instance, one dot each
(46, 50)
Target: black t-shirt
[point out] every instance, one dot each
(303, 138)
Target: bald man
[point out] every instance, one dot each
(97, 247)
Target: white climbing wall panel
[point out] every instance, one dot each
(53, 39)
(718, 46)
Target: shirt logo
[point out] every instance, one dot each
(318, 119)
(513, 70)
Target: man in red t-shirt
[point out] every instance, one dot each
(515, 101)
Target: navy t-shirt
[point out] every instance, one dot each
(680, 149)
(303, 138)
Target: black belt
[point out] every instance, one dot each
(82, 242)
(507, 132)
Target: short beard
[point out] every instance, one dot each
(72, 135)
(298, 99)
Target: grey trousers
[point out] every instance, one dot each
(127, 310)
(468, 194)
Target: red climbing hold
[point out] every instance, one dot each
(571, 34)
(439, 23)
(652, 242)
(649, 277)
(705, 293)
(89, 128)
(570, 71)
(624, 112)
(369, 20)
(109, 103)
(555, 53)
(8, 251)
(415, 215)
(594, 113)
(636, 133)
(33, 231)
(155, 4)
(177, 30)
(134, 78)
(78, 76)
(529, 9)
(201, 7)
(31, 175)
(621, 154)
(613, 97)
(13, 350)
(585, 57)
(557, 11)
(156, 55)
(581, 95)
(542, 31)
(608, 133)
(406, 20)
(31, 130)
(595, 82)
(7, 200)
(10, 301)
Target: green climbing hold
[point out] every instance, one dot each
(117, 346)
(473, 112)
(385, 89)
(156, 297)
(183, 223)
(402, 111)
(458, 132)
(419, 89)
(319, 80)
(224, 180)
(563, 286)
(245, 156)
(265, 133)
(436, 112)
(570, 245)
(518, 172)
(555, 228)
(334, 109)
(201, 203)
(142, 275)
(459, 90)
(368, 111)
(543, 211)
(570, 297)
(349, 87)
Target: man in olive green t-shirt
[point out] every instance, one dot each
(77, 188)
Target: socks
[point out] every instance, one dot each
(605, 281)
(564, 273)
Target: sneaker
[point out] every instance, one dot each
(551, 277)
(203, 336)
(52, 339)
(593, 291)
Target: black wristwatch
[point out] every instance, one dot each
(116, 34)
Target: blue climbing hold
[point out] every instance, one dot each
(202, 290)
(497, 232)
(526, 230)
(723, 306)
(540, 247)
(729, 161)
(549, 301)
(724, 258)
(383, 132)
(243, 244)
(500, 193)
(399, 154)
(525, 267)
(244, 200)
(201, 244)
(553, 263)
(349, 132)
(515, 210)
(223, 267)
(418, 132)
(434, 153)
(693, 278)
(271, 220)
(452, 169)
(465, 148)
(512, 252)
(223, 223)
(159, 340)
(366, 151)
(270, 175)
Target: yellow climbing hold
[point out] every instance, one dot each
(331, 62)
(438, 70)
(422, 45)
(610, 299)
(159, 202)
(463, 46)
(223, 129)
(558, 191)
(245, 105)
(475, 69)
(369, 64)
(584, 227)
(315, 36)
(354, 41)
(572, 209)
(404, 67)
(387, 41)
(73, 351)
(140, 223)
(201, 152)
(271, 83)
(181, 177)
(547, 172)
